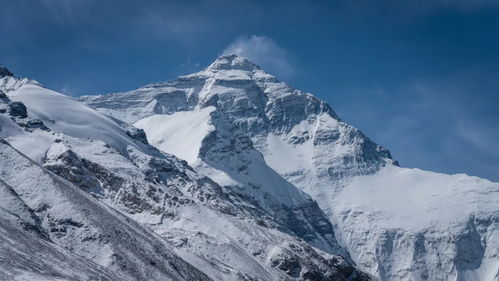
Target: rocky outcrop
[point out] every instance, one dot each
(5, 72)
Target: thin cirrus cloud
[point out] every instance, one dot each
(483, 137)
(265, 52)
(98, 21)
(413, 8)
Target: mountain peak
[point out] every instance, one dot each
(233, 61)
(5, 72)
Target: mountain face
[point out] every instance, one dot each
(225, 174)
(91, 194)
(279, 147)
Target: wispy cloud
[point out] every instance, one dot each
(410, 9)
(265, 52)
(98, 23)
(483, 137)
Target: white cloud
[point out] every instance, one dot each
(265, 52)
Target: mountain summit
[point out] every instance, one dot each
(233, 61)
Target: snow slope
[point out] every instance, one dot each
(421, 225)
(179, 134)
(64, 114)
(302, 139)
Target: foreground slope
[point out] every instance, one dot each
(73, 220)
(21, 236)
(398, 224)
(222, 232)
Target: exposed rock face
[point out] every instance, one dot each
(17, 109)
(5, 72)
(396, 223)
(17, 112)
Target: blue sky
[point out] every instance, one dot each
(419, 77)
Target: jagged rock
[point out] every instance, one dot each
(137, 134)
(17, 109)
(5, 72)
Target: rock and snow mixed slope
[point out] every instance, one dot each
(220, 151)
(178, 224)
(65, 217)
(396, 223)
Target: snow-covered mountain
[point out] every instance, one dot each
(263, 139)
(91, 194)
(56, 231)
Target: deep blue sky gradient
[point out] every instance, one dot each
(419, 78)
